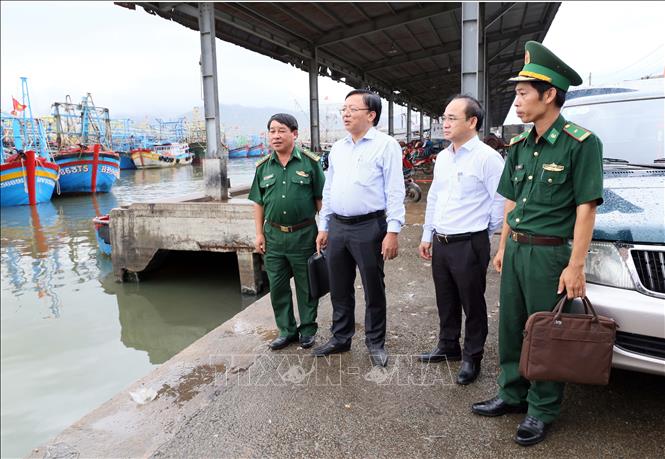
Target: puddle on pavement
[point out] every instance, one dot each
(189, 384)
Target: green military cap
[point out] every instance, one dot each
(541, 64)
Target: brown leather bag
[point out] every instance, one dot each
(574, 348)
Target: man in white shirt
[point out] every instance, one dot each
(362, 215)
(463, 210)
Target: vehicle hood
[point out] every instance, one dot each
(633, 209)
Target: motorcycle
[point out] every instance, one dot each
(413, 193)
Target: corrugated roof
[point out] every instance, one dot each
(410, 48)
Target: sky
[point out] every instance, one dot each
(138, 64)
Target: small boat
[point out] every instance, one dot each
(162, 155)
(85, 169)
(27, 179)
(103, 233)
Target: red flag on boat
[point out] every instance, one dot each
(18, 107)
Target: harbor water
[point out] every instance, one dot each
(71, 336)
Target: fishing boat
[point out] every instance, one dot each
(123, 140)
(256, 150)
(87, 163)
(28, 175)
(239, 152)
(167, 148)
(162, 155)
(87, 169)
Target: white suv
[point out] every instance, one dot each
(625, 267)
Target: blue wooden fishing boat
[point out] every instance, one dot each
(84, 139)
(27, 173)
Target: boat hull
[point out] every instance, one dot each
(238, 153)
(21, 183)
(256, 151)
(87, 172)
(103, 234)
(126, 161)
(162, 156)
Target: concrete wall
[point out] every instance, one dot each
(140, 230)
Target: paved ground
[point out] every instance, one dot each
(286, 406)
(227, 395)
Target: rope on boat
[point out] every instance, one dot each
(25, 177)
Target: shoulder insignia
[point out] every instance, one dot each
(310, 155)
(262, 160)
(576, 132)
(519, 138)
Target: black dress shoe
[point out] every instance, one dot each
(379, 357)
(530, 431)
(331, 347)
(307, 341)
(439, 355)
(468, 372)
(497, 407)
(282, 341)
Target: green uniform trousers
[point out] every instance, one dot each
(286, 255)
(529, 280)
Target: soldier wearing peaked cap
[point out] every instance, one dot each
(287, 192)
(552, 182)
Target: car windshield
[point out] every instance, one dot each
(631, 130)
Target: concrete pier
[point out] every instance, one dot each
(140, 232)
(228, 395)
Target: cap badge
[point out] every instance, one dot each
(527, 57)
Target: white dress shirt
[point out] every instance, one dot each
(463, 195)
(364, 177)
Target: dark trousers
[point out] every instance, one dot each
(459, 270)
(351, 245)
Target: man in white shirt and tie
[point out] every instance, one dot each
(362, 215)
(463, 210)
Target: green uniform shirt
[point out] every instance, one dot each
(288, 193)
(549, 179)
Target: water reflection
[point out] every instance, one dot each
(167, 313)
(72, 337)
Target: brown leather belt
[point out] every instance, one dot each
(292, 228)
(523, 238)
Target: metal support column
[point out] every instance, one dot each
(391, 111)
(408, 122)
(470, 43)
(422, 125)
(214, 163)
(315, 140)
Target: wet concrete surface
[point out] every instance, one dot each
(228, 395)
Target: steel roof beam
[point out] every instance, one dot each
(251, 29)
(424, 53)
(242, 6)
(384, 22)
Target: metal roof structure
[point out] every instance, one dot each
(410, 50)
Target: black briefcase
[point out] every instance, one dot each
(317, 271)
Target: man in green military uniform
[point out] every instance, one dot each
(552, 182)
(287, 191)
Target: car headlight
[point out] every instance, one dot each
(605, 265)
